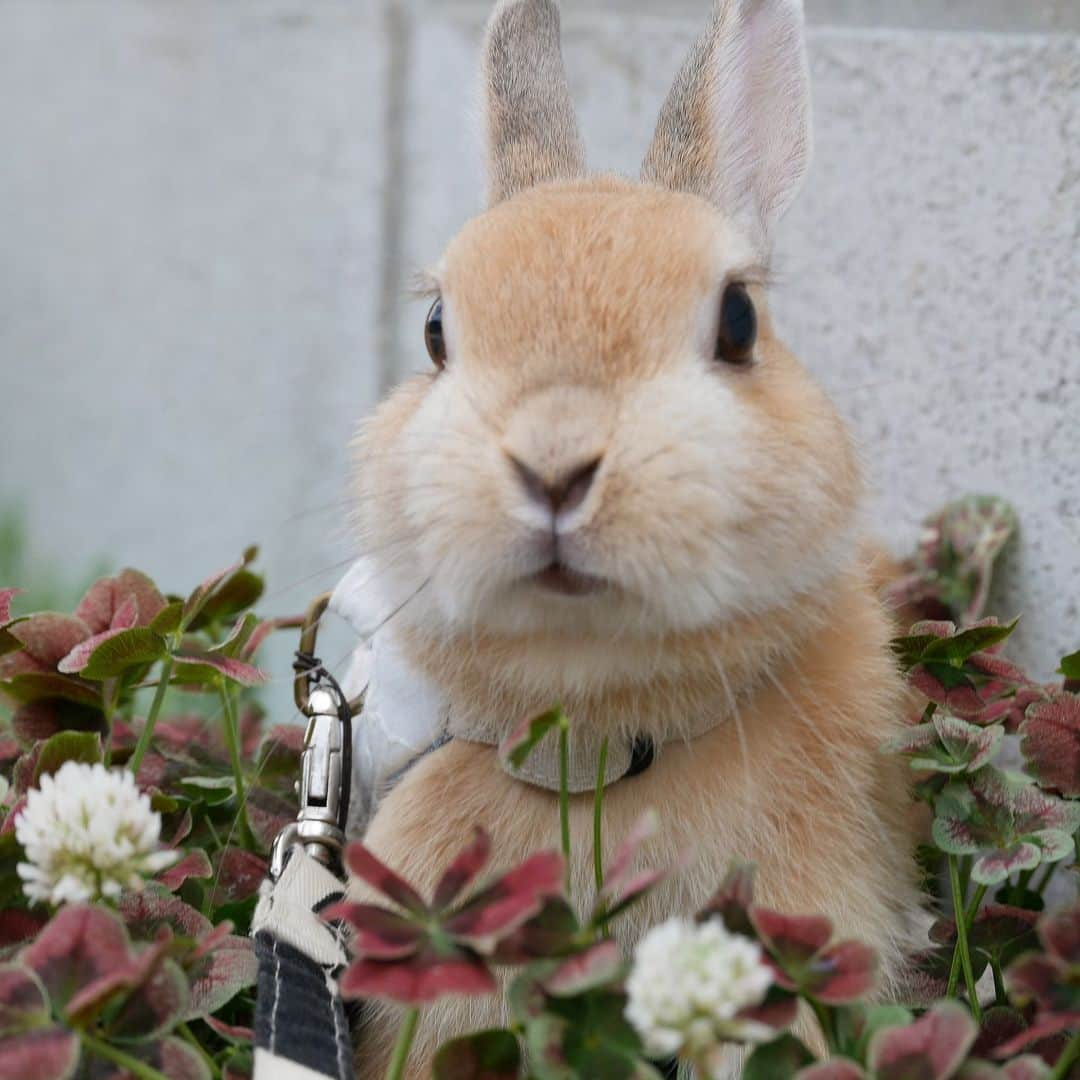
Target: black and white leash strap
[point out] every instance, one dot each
(302, 1030)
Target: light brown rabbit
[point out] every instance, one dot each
(618, 490)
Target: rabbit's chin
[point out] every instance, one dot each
(568, 604)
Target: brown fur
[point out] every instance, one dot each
(794, 783)
(580, 317)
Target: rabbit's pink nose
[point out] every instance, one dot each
(564, 492)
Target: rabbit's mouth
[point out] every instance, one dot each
(559, 578)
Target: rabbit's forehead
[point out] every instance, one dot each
(610, 275)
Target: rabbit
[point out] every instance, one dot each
(616, 489)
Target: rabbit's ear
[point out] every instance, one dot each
(735, 128)
(531, 130)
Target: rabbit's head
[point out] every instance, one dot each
(612, 440)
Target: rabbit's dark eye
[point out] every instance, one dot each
(433, 335)
(737, 333)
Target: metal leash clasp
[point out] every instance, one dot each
(326, 770)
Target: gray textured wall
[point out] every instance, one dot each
(209, 211)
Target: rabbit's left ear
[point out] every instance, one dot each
(735, 128)
(531, 129)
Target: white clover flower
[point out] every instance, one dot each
(689, 981)
(88, 834)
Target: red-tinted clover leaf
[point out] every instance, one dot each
(841, 973)
(1028, 1067)
(233, 1032)
(195, 864)
(50, 1053)
(1000, 1023)
(134, 973)
(17, 807)
(418, 953)
(17, 926)
(234, 595)
(792, 940)
(520, 743)
(732, 901)
(237, 638)
(84, 746)
(1051, 980)
(37, 721)
(1050, 743)
(23, 1004)
(623, 885)
(160, 1001)
(622, 865)
(114, 652)
(239, 875)
(196, 601)
(803, 959)
(267, 813)
(551, 932)
(781, 1059)
(258, 636)
(999, 932)
(1011, 707)
(378, 934)
(46, 638)
(104, 600)
(948, 744)
(488, 1055)
(382, 879)
(170, 1057)
(837, 1069)
(216, 975)
(425, 978)
(146, 912)
(508, 902)
(934, 1046)
(6, 596)
(952, 569)
(462, 871)
(79, 948)
(1006, 821)
(776, 1012)
(599, 965)
(195, 665)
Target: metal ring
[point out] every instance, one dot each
(309, 633)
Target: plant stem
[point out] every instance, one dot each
(976, 902)
(403, 1044)
(825, 1022)
(960, 914)
(232, 740)
(1047, 874)
(151, 717)
(598, 806)
(954, 974)
(109, 694)
(965, 873)
(1000, 998)
(189, 1036)
(564, 792)
(1068, 1056)
(133, 1065)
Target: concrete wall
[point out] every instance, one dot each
(209, 212)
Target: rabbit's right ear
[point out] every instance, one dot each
(532, 133)
(735, 128)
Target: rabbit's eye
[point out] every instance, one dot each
(433, 335)
(737, 333)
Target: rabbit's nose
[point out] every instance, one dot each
(563, 492)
